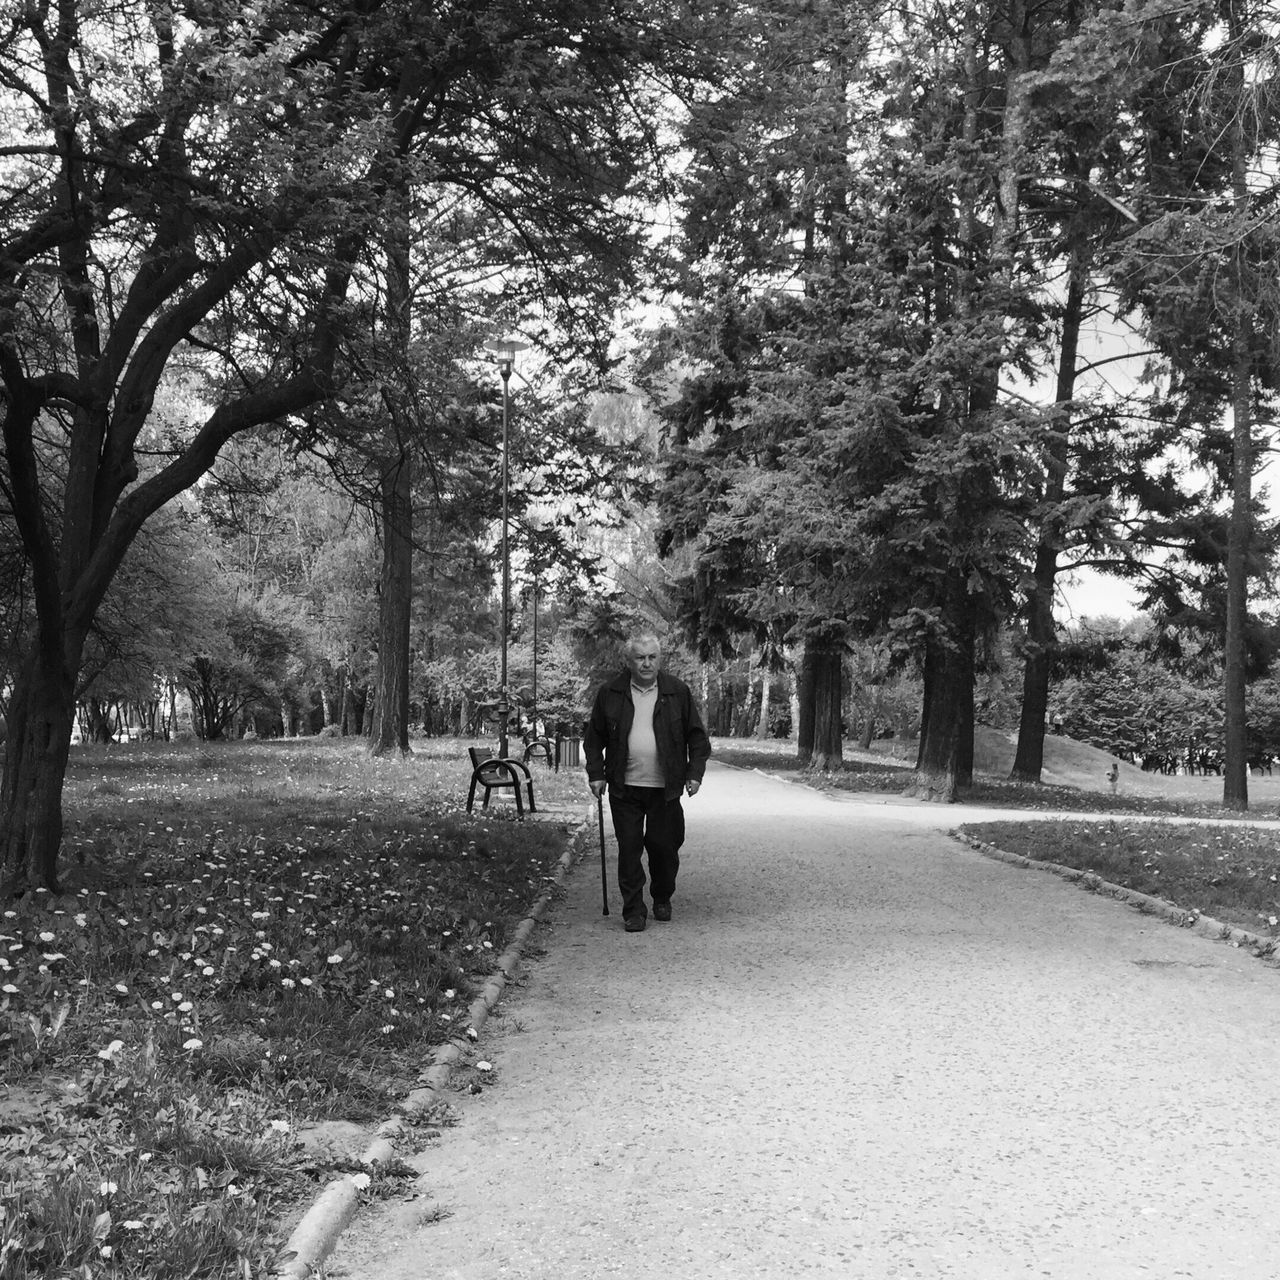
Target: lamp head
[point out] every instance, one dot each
(505, 349)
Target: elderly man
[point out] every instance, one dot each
(644, 744)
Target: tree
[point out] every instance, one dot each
(244, 666)
(563, 149)
(200, 194)
(154, 191)
(281, 521)
(165, 599)
(846, 465)
(1201, 268)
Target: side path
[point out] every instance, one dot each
(860, 1049)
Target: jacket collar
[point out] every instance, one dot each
(622, 682)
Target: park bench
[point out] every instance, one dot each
(494, 774)
(539, 747)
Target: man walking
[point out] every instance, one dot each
(645, 743)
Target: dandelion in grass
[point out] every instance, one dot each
(133, 1224)
(107, 1188)
(280, 1126)
(109, 1053)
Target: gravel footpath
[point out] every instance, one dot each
(860, 1049)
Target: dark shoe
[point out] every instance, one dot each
(662, 911)
(635, 924)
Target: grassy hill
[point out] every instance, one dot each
(1067, 763)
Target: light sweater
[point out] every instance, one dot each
(642, 745)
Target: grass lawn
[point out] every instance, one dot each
(254, 937)
(258, 938)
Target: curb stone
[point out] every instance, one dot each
(1265, 949)
(316, 1235)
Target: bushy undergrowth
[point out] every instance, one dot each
(252, 936)
(1229, 872)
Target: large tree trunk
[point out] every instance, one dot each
(823, 689)
(1235, 771)
(391, 708)
(41, 712)
(1028, 760)
(1041, 637)
(805, 684)
(944, 762)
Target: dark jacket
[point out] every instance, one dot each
(683, 745)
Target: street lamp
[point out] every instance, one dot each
(535, 519)
(506, 353)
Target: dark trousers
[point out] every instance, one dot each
(645, 821)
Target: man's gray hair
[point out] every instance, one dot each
(638, 637)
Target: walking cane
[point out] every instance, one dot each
(604, 875)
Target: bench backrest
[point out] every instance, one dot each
(495, 775)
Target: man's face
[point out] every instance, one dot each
(643, 659)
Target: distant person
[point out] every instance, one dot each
(644, 744)
(1113, 776)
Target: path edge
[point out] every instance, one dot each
(1264, 949)
(317, 1233)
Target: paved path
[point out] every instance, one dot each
(860, 1050)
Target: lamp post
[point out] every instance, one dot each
(506, 352)
(536, 520)
(536, 734)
